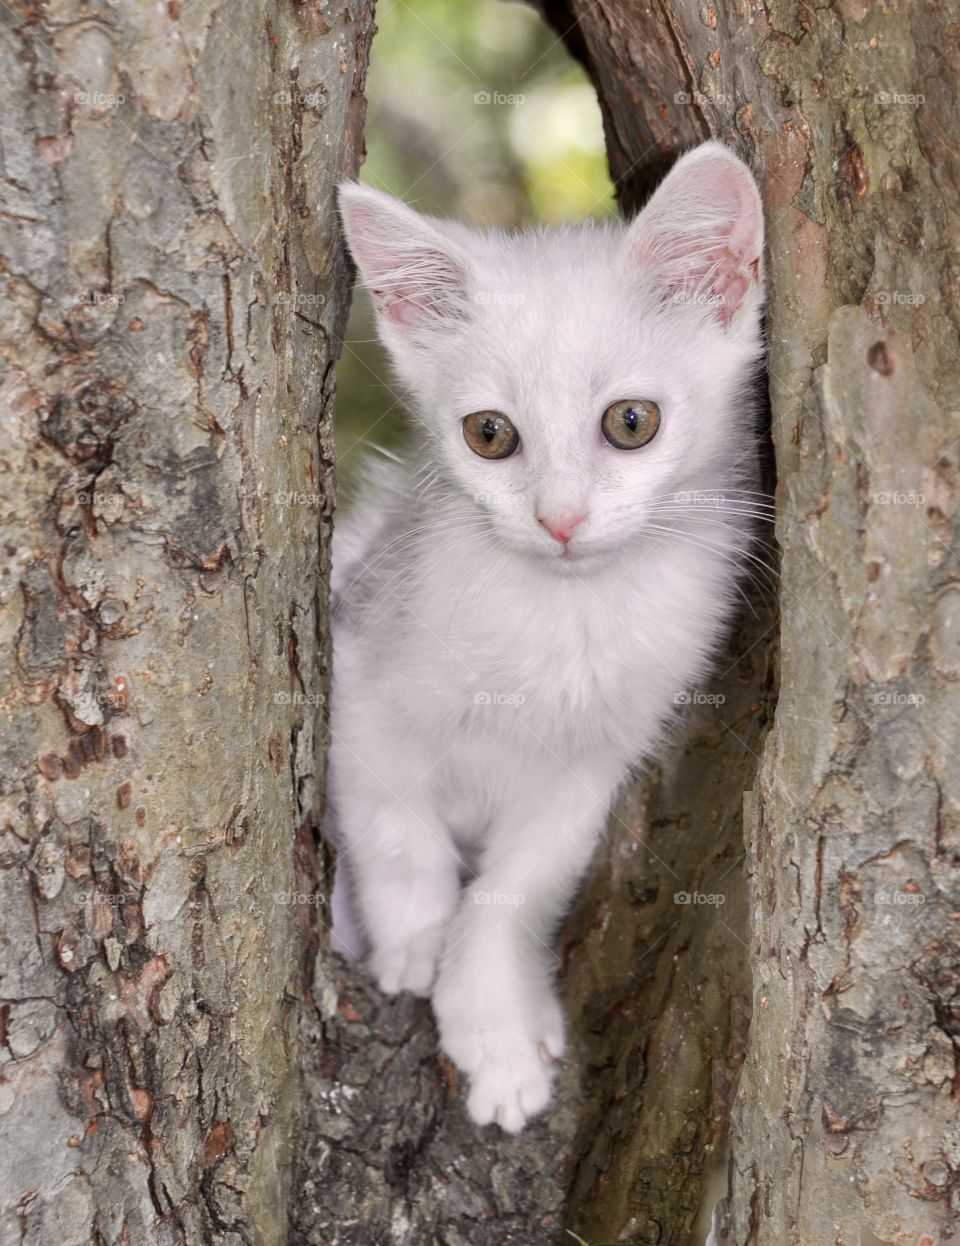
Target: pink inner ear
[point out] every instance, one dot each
(411, 274)
(376, 251)
(399, 306)
(737, 266)
(704, 236)
(727, 264)
(398, 311)
(410, 286)
(731, 285)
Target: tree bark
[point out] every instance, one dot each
(173, 293)
(844, 1126)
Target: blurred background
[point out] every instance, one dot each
(476, 111)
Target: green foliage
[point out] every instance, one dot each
(476, 111)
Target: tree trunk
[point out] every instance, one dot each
(844, 1126)
(172, 297)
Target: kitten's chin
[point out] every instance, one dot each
(570, 561)
(576, 559)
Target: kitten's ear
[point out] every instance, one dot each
(701, 235)
(415, 274)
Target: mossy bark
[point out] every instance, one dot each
(173, 290)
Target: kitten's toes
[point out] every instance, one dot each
(509, 1094)
(410, 966)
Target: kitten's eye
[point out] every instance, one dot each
(490, 434)
(630, 424)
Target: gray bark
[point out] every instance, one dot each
(844, 1129)
(172, 296)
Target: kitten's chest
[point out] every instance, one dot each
(579, 660)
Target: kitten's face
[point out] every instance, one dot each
(573, 383)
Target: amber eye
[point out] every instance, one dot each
(630, 424)
(490, 434)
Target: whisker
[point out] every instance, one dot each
(734, 553)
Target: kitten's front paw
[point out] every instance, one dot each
(410, 966)
(509, 1087)
(511, 1063)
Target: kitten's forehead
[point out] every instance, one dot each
(556, 315)
(575, 261)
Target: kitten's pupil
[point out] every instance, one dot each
(490, 434)
(630, 423)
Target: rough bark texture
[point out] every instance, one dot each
(845, 1124)
(172, 292)
(390, 1156)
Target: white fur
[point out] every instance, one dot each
(490, 693)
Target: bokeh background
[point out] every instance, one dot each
(476, 111)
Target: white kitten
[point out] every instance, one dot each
(521, 600)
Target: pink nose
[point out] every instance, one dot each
(561, 529)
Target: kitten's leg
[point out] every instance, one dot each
(499, 1018)
(406, 882)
